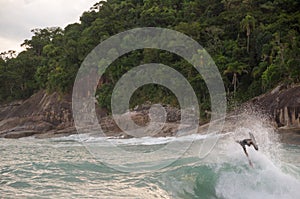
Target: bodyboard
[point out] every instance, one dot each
(253, 140)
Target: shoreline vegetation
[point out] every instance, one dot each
(255, 45)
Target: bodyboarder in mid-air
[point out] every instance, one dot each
(250, 141)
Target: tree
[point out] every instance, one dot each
(271, 76)
(8, 55)
(236, 68)
(269, 51)
(248, 24)
(41, 38)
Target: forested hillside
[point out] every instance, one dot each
(255, 44)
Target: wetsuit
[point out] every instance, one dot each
(247, 142)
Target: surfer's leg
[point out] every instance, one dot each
(245, 150)
(250, 163)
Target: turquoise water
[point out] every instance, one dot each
(64, 168)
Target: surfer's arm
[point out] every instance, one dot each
(254, 145)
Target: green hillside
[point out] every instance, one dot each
(255, 45)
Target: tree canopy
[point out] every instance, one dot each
(255, 45)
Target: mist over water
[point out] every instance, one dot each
(63, 167)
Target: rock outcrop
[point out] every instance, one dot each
(282, 104)
(46, 115)
(41, 113)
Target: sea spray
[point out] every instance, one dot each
(225, 172)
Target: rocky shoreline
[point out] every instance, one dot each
(46, 115)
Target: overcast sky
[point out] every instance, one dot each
(18, 17)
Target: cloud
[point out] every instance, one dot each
(18, 17)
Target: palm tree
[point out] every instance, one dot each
(236, 68)
(247, 24)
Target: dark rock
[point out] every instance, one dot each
(42, 112)
(282, 104)
(290, 135)
(20, 134)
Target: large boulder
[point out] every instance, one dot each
(282, 104)
(42, 112)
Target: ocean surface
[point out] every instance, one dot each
(69, 167)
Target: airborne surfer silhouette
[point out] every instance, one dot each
(250, 141)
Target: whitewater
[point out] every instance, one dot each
(65, 167)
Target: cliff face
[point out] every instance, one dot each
(282, 104)
(40, 113)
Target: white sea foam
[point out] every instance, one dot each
(92, 138)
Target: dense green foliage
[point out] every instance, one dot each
(255, 45)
